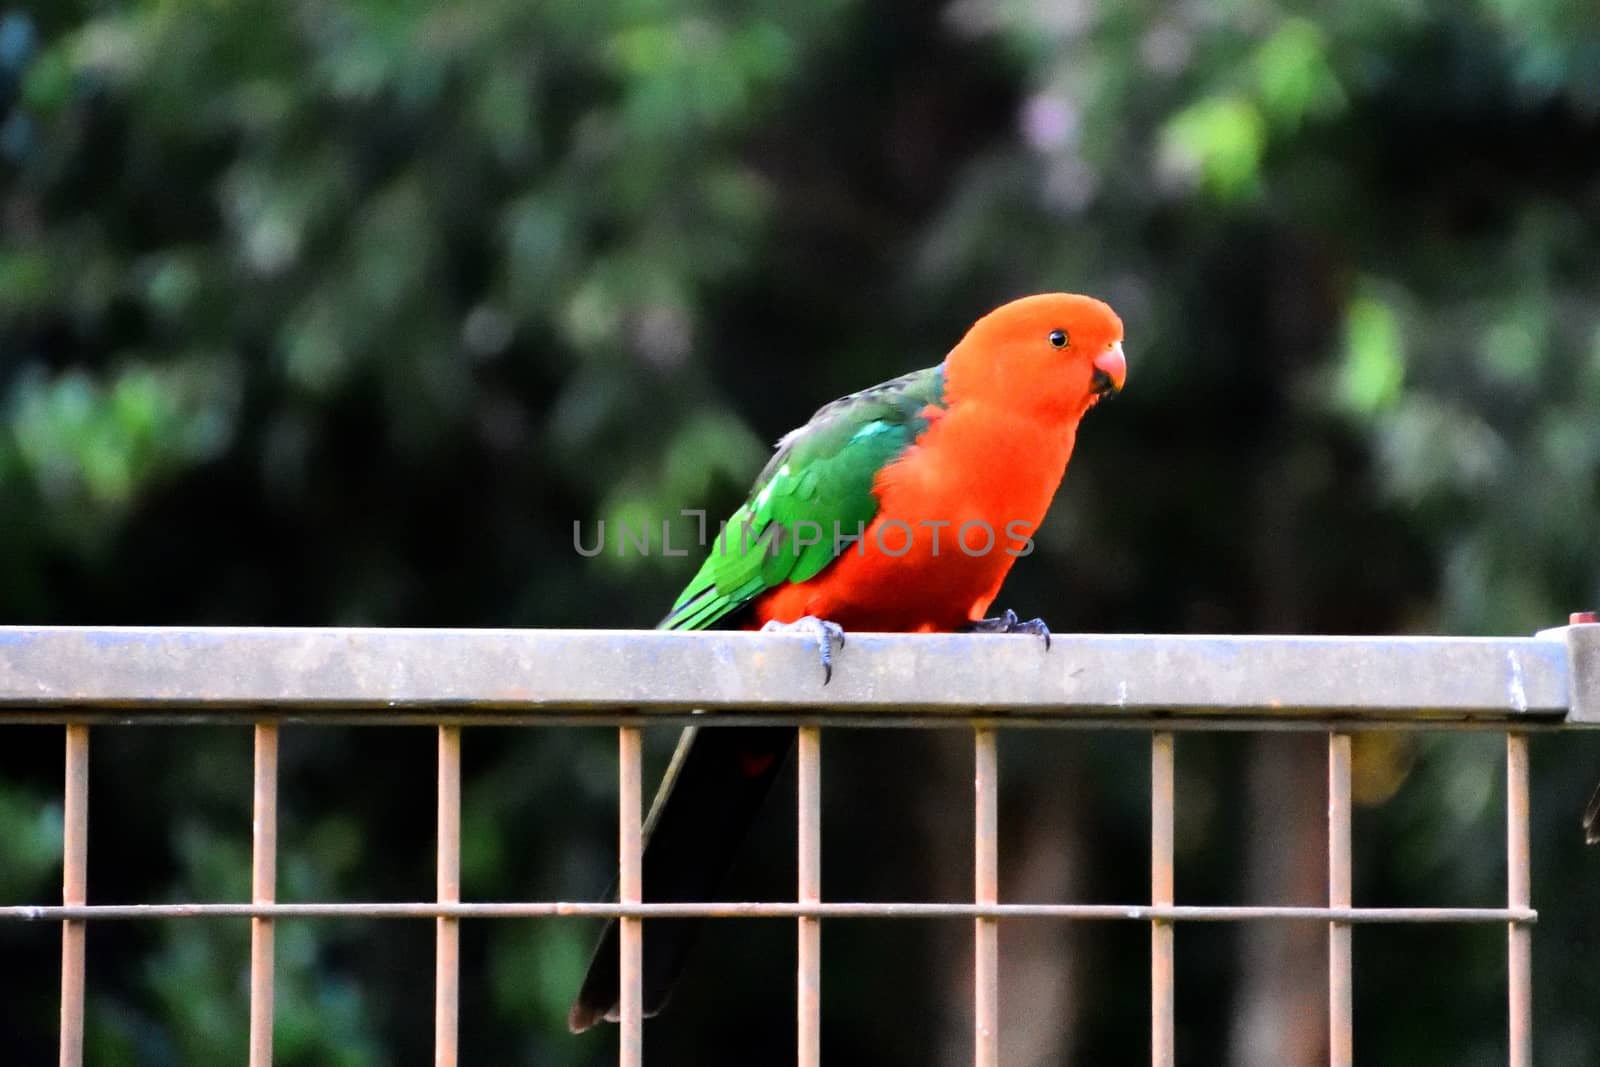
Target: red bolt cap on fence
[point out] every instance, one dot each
(1578, 618)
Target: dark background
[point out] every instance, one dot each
(344, 313)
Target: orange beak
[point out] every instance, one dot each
(1110, 370)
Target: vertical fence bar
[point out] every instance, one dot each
(809, 980)
(263, 890)
(1163, 1052)
(447, 932)
(630, 891)
(1341, 1039)
(986, 890)
(74, 890)
(1519, 944)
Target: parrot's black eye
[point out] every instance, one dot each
(1058, 338)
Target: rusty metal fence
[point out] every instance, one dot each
(86, 679)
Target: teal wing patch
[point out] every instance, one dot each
(816, 488)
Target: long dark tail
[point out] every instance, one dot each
(1591, 819)
(711, 793)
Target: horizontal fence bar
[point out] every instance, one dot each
(765, 909)
(1297, 722)
(56, 674)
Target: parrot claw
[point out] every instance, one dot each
(827, 633)
(1009, 623)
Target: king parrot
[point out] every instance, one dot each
(969, 451)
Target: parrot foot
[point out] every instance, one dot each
(827, 633)
(1009, 624)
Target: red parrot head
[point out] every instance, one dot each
(1053, 356)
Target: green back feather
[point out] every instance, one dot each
(818, 483)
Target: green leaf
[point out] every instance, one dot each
(1293, 75)
(1372, 371)
(1218, 144)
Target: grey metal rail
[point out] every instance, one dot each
(137, 674)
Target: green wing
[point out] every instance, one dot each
(818, 482)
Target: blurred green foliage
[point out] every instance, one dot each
(344, 313)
